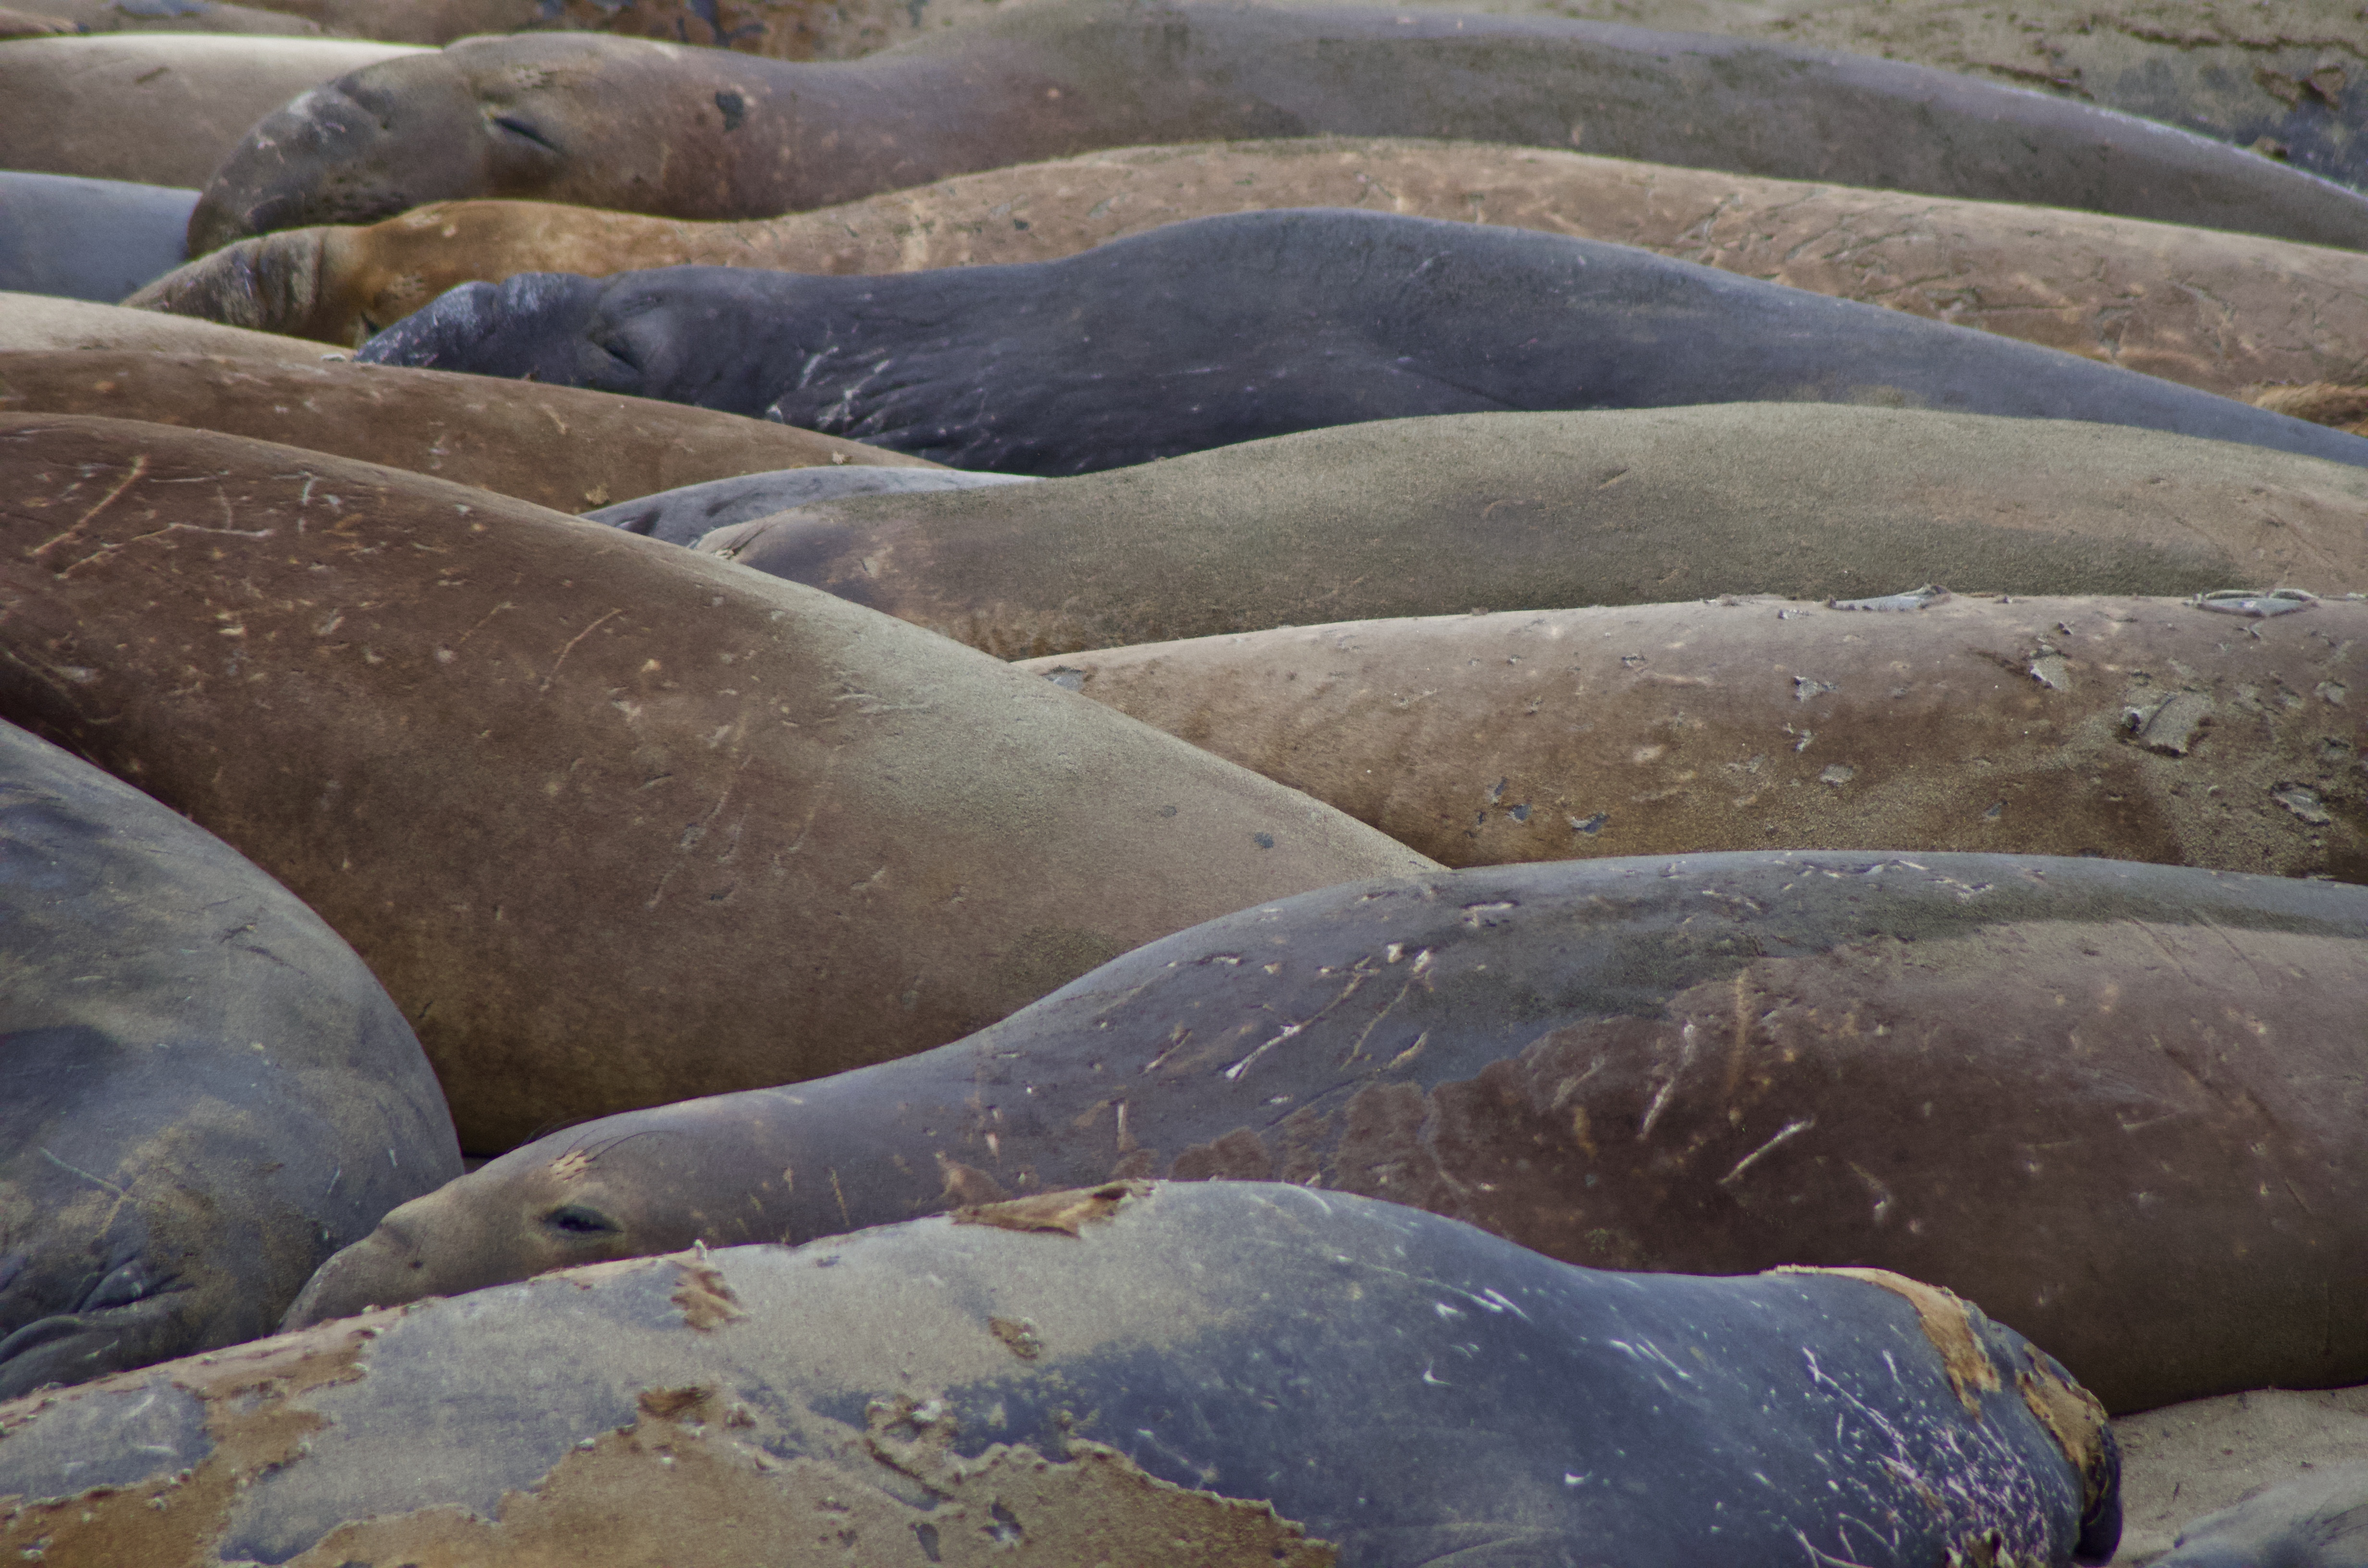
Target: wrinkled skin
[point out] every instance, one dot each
(2117, 1106)
(1227, 329)
(708, 134)
(202, 1091)
(1208, 1375)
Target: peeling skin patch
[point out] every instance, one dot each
(693, 1496)
(706, 1301)
(1065, 1212)
(1947, 1324)
(2076, 1422)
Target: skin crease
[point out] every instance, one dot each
(708, 134)
(1938, 1065)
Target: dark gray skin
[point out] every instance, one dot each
(1409, 1389)
(2320, 1521)
(710, 134)
(1227, 329)
(689, 513)
(2031, 1079)
(202, 1091)
(88, 239)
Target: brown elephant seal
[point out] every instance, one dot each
(1640, 506)
(1096, 1377)
(615, 824)
(2118, 1106)
(557, 447)
(170, 1018)
(155, 109)
(38, 322)
(706, 133)
(2158, 730)
(2224, 312)
(147, 16)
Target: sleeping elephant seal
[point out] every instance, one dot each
(686, 514)
(557, 447)
(784, 30)
(202, 1092)
(1226, 329)
(616, 824)
(2223, 313)
(2121, 1107)
(2320, 1521)
(1189, 1373)
(88, 239)
(1519, 511)
(154, 108)
(2157, 729)
(706, 133)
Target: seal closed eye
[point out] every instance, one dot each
(576, 1219)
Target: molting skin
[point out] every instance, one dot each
(2115, 1105)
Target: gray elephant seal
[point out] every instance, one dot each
(710, 134)
(2320, 1521)
(690, 513)
(88, 239)
(1250, 324)
(2144, 1140)
(1174, 1373)
(202, 1092)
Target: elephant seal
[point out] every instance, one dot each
(155, 109)
(557, 447)
(1520, 511)
(33, 322)
(2320, 1521)
(1097, 1376)
(169, 1017)
(2135, 728)
(690, 514)
(2118, 1106)
(1226, 329)
(782, 30)
(149, 16)
(88, 239)
(705, 133)
(2226, 313)
(695, 830)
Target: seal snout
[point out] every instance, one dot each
(384, 1268)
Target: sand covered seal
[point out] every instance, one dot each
(155, 109)
(708, 135)
(1227, 329)
(688, 513)
(2180, 732)
(557, 447)
(616, 824)
(2119, 1106)
(170, 1017)
(88, 239)
(2228, 314)
(1516, 511)
(1177, 1372)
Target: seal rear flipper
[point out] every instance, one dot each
(72, 1347)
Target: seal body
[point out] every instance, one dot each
(557, 447)
(695, 830)
(37, 321)
(202, 1091)
(154, 108)
(2116, 1105)
(2172, 730)
(88, 239)
(2208, 309)
(686, 514)
(708, 135)
(1227, 329)
(2320, 1521)
(1506, 511)
(2186, 1462)
(1095, 1376)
